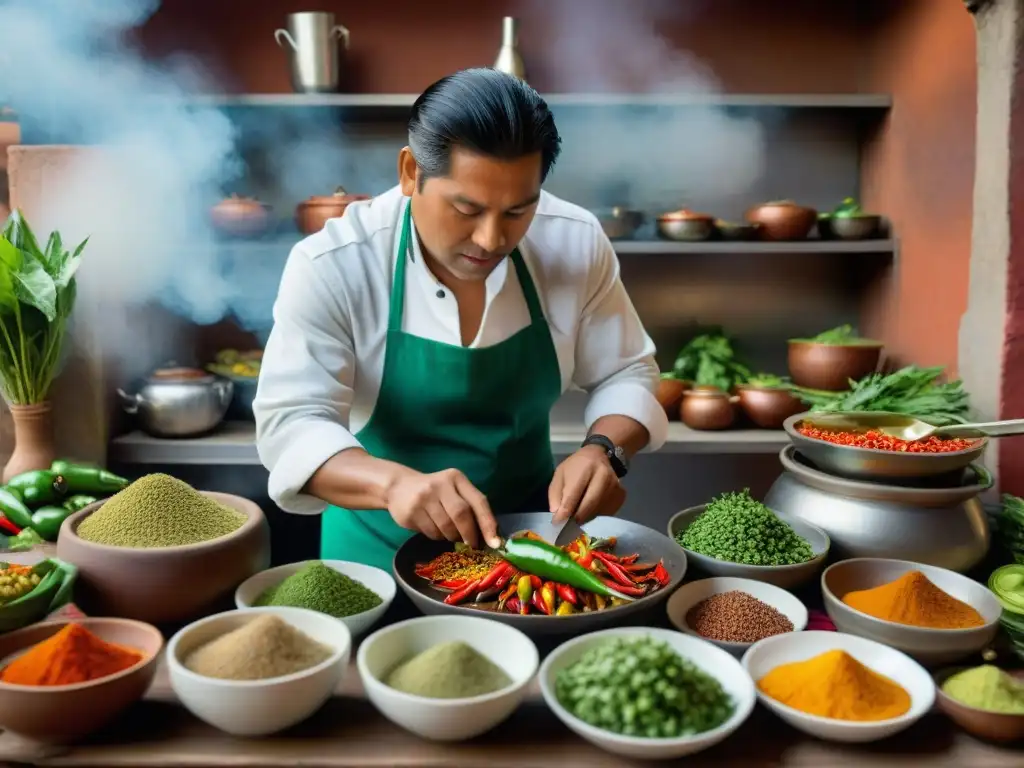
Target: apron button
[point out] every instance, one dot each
(440, 294)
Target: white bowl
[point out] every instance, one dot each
(688, 595)
(767, 654)
(446, 719)
(258, 707)
(711, 660)
(374, 579)
(929, 646)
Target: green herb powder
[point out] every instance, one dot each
(640, 686)
(321, 588)
(448, 671)
(738, 529)
(159, 511)
(987, 688)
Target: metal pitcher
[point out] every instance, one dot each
(313, 39)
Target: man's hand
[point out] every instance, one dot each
(585, 486)
(443, 505)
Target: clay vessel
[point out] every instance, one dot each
(708, 409)
(768, 407)
(686, 225)
(33, 439)
(669, 394)
(146, 584)
(240, 216)
(829, 367)
(312, 214)
(783, 220)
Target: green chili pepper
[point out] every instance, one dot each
(78, 501)
(46, 521)
(83, 479)
(39, 487)
(552, 564)
(14, 508)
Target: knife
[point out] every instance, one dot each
(558, 534)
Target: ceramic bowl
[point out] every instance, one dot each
(146, 584)
(374, 579)
(688, 595)
(711, 660)
(928, 646)
(764, 656)
(786, 576)
(61, 714)
(258, 707)
(992, 726)
(446, 719)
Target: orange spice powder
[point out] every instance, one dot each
(913, 599)
(72, 655)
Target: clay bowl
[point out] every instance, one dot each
(166, 584)
(61, 714)
(685, 225)
(708, 409)
(992, 726)
(670, 394)
(831, 366)
(240, 217)
(783, 220)
(768, 407)
(312, 214)
(862, 227)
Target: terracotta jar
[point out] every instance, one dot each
(33, 439)
(768, 407)
(669, 394)
(830, 367)
(311, 215)
(708, 409)
(783, 220)
(240, 216)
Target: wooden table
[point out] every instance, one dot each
(349, 733)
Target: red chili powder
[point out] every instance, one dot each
(880, 442)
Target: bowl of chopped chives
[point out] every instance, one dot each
(356, 594)
(447, 678)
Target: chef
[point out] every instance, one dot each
(421, 339)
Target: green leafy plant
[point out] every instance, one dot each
(710, 360)
(37, 294)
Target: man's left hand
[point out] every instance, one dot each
(585, 486)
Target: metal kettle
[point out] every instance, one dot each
(178, 402)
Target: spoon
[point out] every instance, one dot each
(919, 430)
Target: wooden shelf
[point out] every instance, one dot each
(235, 444)
(740, 246)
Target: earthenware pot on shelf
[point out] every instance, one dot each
(33, 439)
(708, 409)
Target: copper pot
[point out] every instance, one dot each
(670, 392)
(829, 367)
(240, 216)
(783, 220)
(312, 215)
(768, 407)
(686, 225)
(707, 409)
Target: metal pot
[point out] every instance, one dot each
(942, 526)
(312, 40)
(178, 402)
(783, 220)
(312, 215)
(618, 222)
(860, 227)
(731, 230)
(686, 225)
(708, 409)
(240, 216)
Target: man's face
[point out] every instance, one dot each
(471, 219)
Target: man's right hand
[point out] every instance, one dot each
(443, 505)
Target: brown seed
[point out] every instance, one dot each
(736, 617)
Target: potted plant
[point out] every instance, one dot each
(37, 294)
(830, 360)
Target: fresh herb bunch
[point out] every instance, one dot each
(737, 528)
(37, 294)
(640, 686)
(841, 336)
(911, 391)
(767, 381)
(710, 360)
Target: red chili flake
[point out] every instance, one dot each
(880, 442)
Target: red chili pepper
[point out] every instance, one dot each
(493, 575)
(632, 591)
(567, 593)
(629, 559)
(452, 583)
(535, 581)
(503, 580)
(7, 525)
(880, 442)
(425, 571)
(662, 575)
(586, 558)
(463, 594)
(638, 567)
(512, 605)
(614, 570)
(510, 589)
(538, 602)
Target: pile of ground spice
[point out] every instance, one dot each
(321, 588)
(159, 511)
(72, 655)
(448, 671)
(836, 685)
(880, 442)
(988, 688)
(736, 617)
(265, 647)
(912, 599)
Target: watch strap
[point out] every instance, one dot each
(614, 453)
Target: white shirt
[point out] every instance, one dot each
(323, 362)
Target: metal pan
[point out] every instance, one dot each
(870, 463)
(632, 537)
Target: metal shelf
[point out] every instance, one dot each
(235, 444)
(740, 246)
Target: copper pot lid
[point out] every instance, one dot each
(787, 205)
(173, 374)
(685, 214)
(340, 197)
(237, 204)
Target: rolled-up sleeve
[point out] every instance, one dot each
(305, 390)
(614, 355)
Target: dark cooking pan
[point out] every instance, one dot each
(651, 545)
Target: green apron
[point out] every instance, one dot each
(482, 411)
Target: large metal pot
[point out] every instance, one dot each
(930, 524)
(178, 402)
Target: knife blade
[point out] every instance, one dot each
(558, 534)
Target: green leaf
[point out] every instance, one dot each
(19, 234)
(10, 264)
(34, 286)
(55, 255)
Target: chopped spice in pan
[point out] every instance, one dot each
(879, 442)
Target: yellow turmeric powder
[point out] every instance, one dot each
(836, 685)
(912, 599)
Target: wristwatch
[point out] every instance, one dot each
(616, 455)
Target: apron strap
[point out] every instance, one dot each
(529, 289)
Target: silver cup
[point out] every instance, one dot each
(312, 39)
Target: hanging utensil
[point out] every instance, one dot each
(916, 429)
(312, 38)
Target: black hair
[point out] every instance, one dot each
(483, 110)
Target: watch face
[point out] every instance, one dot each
(620, 454)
